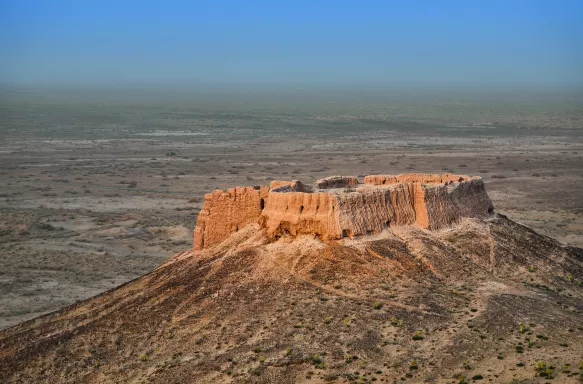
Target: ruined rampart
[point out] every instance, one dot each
(225, 212)
(338, 206)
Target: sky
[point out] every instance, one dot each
(509, 42)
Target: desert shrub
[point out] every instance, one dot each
(417, 336)
(413, 364)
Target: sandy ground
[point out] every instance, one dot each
(84, 207)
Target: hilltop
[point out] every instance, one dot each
(429, 286)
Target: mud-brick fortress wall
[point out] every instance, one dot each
(224, 212)
(339, 206)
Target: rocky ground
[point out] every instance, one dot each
(484, 300)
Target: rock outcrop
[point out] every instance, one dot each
(338, 206)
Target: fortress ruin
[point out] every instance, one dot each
(340, 206)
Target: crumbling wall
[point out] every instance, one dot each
(225, 212)
(336, 182)
(380, 179)
(431, 201)
(471, 198)
(424, 178)
(440, 210)
(372, 211)
(441, 205)
(297, 213)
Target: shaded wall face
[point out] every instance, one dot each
(440, 210)
(225, 212)
(471, 198)
(372, 211)
(297, 213)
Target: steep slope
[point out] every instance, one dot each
(302, 310)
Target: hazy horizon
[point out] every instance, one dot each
(262, 44)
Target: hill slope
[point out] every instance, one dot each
(301, 310)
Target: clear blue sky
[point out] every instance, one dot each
(292, 42)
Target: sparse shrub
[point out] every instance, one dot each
(413, 364)
(543, 369)
(287, 352)
(318, 363)
(549, 373)
(327, 320)
(347, 322)
(417, 336)
(377, 305)
(477, 377)
(261, 359)
(570, 278)
(143, 357)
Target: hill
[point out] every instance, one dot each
(479, 297)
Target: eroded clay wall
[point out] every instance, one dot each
(441, 205)
(427, 178)
(380, 179)
(224, 212)
(290, 207)
(440, 209)
(336, 182)
(372, 211)
(297, 213)
(471, 198)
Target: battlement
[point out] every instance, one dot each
(339, 206)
